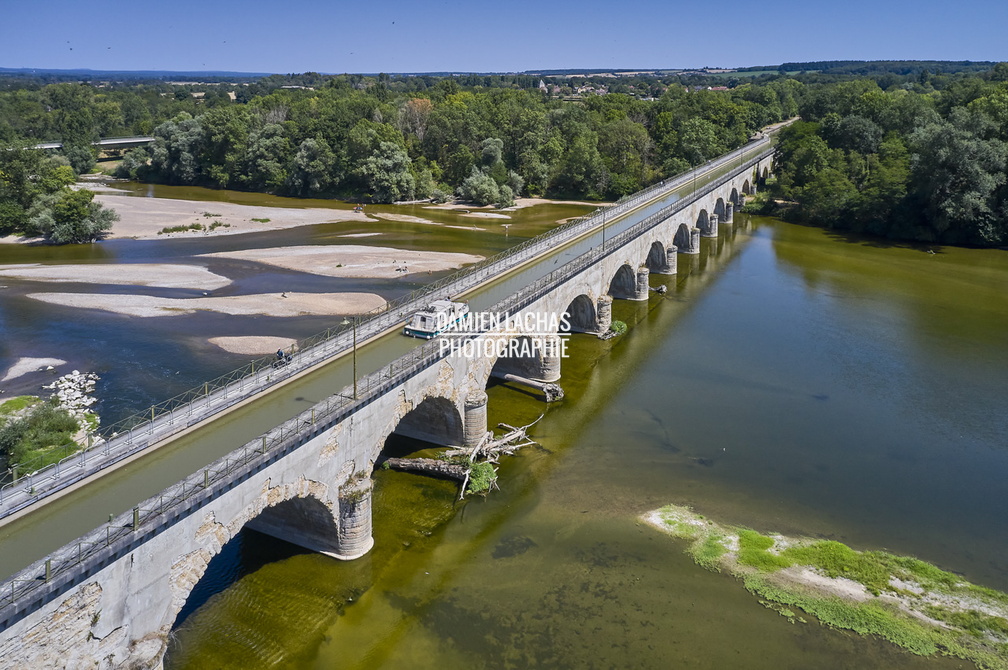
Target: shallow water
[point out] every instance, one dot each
(790, 380)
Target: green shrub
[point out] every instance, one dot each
(181, 229)
(42, 436)
(618, 327)
(481, 477)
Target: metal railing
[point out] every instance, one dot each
(53, 575)
(135, 433)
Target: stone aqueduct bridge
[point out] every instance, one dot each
(308, 481)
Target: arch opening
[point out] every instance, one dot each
(580, 314)
(624, 283)
(656, 260)
(435, 420)
(261, 541)
(719, 209)
(746, 187)
(682, 237)
(534, 357)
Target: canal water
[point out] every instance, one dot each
(791, 380)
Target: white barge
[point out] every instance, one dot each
(436, 317)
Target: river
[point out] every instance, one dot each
(791, 380)
(143, 361)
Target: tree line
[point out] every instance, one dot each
(924, 165)
(484, 145)
(869, 154)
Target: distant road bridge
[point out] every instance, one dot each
(109, 143)
(110, 598)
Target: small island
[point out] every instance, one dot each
(913, 604)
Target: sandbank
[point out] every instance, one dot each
(910, 603)
(163, 275)
(143, 218)
(406, 218)
(253, 345)
(350, 260)
(531, 202)
(266, 304)
(486, 215)
(26, 365)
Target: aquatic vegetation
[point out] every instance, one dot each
(904, 600)
(482, 476)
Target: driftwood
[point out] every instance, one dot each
(552, 391)
(508, 443)
(488, 448)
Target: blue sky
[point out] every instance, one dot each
(449, 35)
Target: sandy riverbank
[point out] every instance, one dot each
(520, 203)
(265, 304)
(253, 345)
(27, 365)
(143, 218)
(167, 275)
(350, 260)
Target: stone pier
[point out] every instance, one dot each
(711, 229)
(475, 418)
(604, 313)
(643, 283)
(355, 538)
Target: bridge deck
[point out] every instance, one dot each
(79, 511)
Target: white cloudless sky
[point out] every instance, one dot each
(478, 36)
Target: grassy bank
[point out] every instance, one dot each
(910, 603)
(35, 433)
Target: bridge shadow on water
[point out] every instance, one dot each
(245, 553)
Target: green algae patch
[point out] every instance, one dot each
(908, 602)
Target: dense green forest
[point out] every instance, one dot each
(922, 164)
(905, 149)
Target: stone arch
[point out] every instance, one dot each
(435, 419)
(765, 173)
(581, 316)
(297, 503)
(656, 260)
(746, 188)
(703, 220)
(719, 209)
(533, 357)
(734, 197)
(682, 237)
(624, 282)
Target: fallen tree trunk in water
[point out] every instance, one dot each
(553, 392)
(429, 466)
